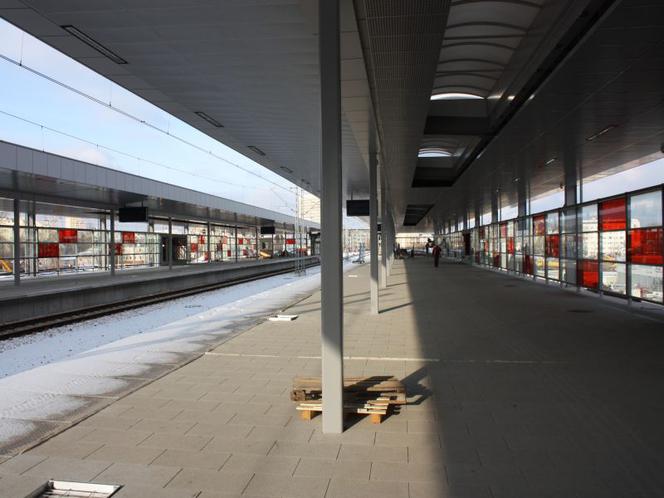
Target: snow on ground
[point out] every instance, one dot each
(44, 376)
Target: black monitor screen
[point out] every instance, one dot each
(133, 214)
(357, 208)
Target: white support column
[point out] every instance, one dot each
(331, 221)
(373, 220)
(17, 241)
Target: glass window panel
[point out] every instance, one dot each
(612, 214)
(6, 253)
(528, 265)
(646, 282)
(518, 244)
(553, 268)
(85, 236)
(613, 246)
(568, 247)
(552, 223)
(46, 235)
(553, 245)
(568, 220)
(503, 261)
(518, 263)
(589, 218)
(539, 225)
(614, 278)
(510, 262)
(587, 274)
(6, 234)
(538, 245)
(539, 266)
(589, 247)
(569, 271)
(645, 210)
(645, 246)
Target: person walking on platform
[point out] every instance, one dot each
(436, 255)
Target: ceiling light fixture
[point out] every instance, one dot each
(287, 170)
(257, 150)
(209, 119)
(433, 152)
(456, 96)
(551, 161)
(516, 180)
(74, 31)
(600, 133)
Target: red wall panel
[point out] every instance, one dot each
(49, 250)
(67, 236)
(612, 215)
(645, 246)
(588, 273)
(128, 238)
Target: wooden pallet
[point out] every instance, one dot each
(364, 395)
(309, 388)
(376, 409)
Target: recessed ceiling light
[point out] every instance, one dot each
(551, 161)
(209, 119)
(257, 150)
(516, 180)
(600, 133)
(456, 96)
(74, 31)
(433, 152)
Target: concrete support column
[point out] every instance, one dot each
(495, 209)
(17, 241)
(522, 198)
(570, 184)
(111, 245)
(373, 220)
(331, 220)
(383, 230)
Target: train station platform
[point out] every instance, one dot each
(39, 297)
(515, 389)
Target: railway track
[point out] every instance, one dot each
(30, 326)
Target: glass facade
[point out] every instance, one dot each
(58, 239)
(613, 245)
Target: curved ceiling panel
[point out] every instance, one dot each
(497, 55)
(519, 13)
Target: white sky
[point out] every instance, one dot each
(40, 113)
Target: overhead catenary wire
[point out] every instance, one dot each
(133, 117)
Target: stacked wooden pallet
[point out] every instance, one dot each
(364, 395)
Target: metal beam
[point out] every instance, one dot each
(331, 227)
